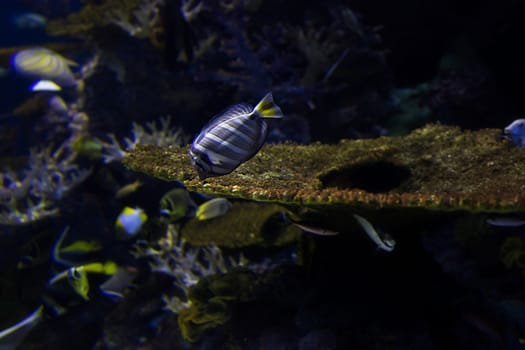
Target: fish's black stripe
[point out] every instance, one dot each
(238, 142)
(226, 146)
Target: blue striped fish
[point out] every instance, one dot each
(43, 64)
(232, 137)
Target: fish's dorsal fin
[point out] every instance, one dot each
(267, 108)
(229, 113)
(70, 62)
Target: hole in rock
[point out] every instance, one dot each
(374, 177)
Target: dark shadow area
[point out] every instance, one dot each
(374, 177)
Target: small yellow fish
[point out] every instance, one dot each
(87, 146)
(130, 221)
(82, 247)
(77, 275)
(78, 247)
(106, 268)
(213, 208)
(128, 189)
(77, 278)
(176, 204)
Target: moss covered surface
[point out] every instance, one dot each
(435, 167)
(245, 224)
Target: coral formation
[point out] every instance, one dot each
(31, 193)
(136, 17)
(211, 302)
(163, 136)
(436, 167)
(209, 280)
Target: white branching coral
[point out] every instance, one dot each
(139, 22)
(31, 193)
(163, 135)
(187, 265)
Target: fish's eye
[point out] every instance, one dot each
(74, 273)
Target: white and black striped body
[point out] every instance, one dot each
(228, 140)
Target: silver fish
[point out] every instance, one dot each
(43, 64)
(11, 337)
(232, 137)
(384, 242)
(505, 222)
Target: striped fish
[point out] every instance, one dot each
(232, 137)
(43, 64)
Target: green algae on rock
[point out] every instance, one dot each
(245, 224)
(436, 167)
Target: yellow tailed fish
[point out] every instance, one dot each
(384, 241)
(232, 137)
(77, 275)
(213, 208)
(130, 221)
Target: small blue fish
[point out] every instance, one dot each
(515, 131)
(43, 64)
(232, 137)
(130, 220)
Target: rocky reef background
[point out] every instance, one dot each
(153, 72)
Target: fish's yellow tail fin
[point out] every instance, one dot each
(266, 108)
